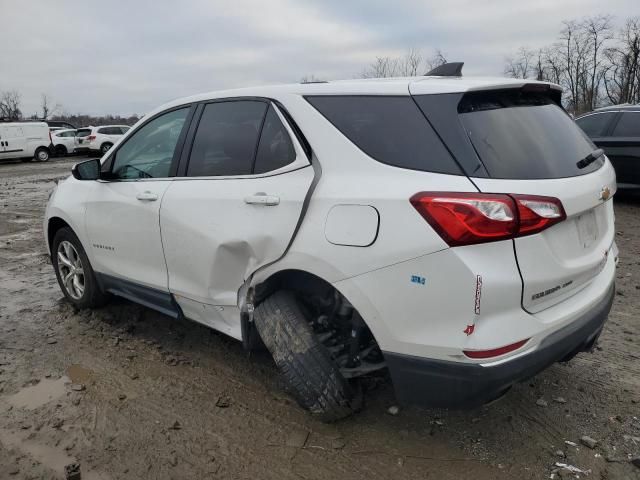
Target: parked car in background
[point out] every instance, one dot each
(616, 130)
(457, 232)
(99, 139)
(25, 140)
(64, 141)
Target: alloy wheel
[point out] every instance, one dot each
(71, 270)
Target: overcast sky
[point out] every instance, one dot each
(126, 57)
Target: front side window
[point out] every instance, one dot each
(628, 125)
(595, 125)
(226, 139)
(148, 153)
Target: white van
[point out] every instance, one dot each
(25, 140)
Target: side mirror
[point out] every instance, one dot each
(87, 170)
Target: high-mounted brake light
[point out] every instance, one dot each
(470, 218)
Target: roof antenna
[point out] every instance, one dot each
(453, 69)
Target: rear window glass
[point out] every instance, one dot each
(628, 125)
(595, 125)
(521, 135)
(389, 129)
(83, 132)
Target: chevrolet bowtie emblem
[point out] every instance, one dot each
(605, 194)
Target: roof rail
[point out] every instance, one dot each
(453, 69)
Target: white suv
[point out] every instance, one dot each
(457, 232)
(99, 139)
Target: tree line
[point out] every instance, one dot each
(595, 63)
(11, 110)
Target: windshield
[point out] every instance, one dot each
(524, 136)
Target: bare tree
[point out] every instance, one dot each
(411, 64)
(311, 79)
(381, 67)
(519, 65)
(10, 105)
(622, 77)
(581, 61)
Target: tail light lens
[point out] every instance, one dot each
(537, 213)
(91, 138)
(471, 218)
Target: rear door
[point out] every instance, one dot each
(622, 146)
(234, 206)
(531, 146)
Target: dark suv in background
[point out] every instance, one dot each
(616, 130)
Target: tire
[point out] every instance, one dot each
(91, 295)
(105, 147)
(306, 365)
(61, 150)
(41, 154)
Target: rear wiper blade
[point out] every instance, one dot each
(589, 159)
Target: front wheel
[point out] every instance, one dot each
(41, 154)
(105, 147)
(306, 364)
(73, 271)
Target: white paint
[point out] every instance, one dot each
(352, 225)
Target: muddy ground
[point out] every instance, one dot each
(130, 394)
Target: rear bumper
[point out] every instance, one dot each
(441, 383)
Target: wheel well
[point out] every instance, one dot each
(55, 224)
(299, 281)
(333, 318)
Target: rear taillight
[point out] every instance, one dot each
(470, 218)
(91, 138)
(535, 213)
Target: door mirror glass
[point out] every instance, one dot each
(88, 170)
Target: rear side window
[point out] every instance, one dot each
(628, 125)
(275, 149)
(520, 135)
(390, 129)
(226, 140)
(596, 125)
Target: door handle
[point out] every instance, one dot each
(262, 198)
(147, 196)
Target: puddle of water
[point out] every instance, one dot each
(50, 457)
(78, 373)
(37, 395)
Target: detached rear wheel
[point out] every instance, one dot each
(73, 271)
(306, 364)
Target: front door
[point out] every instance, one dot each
(123, 211)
